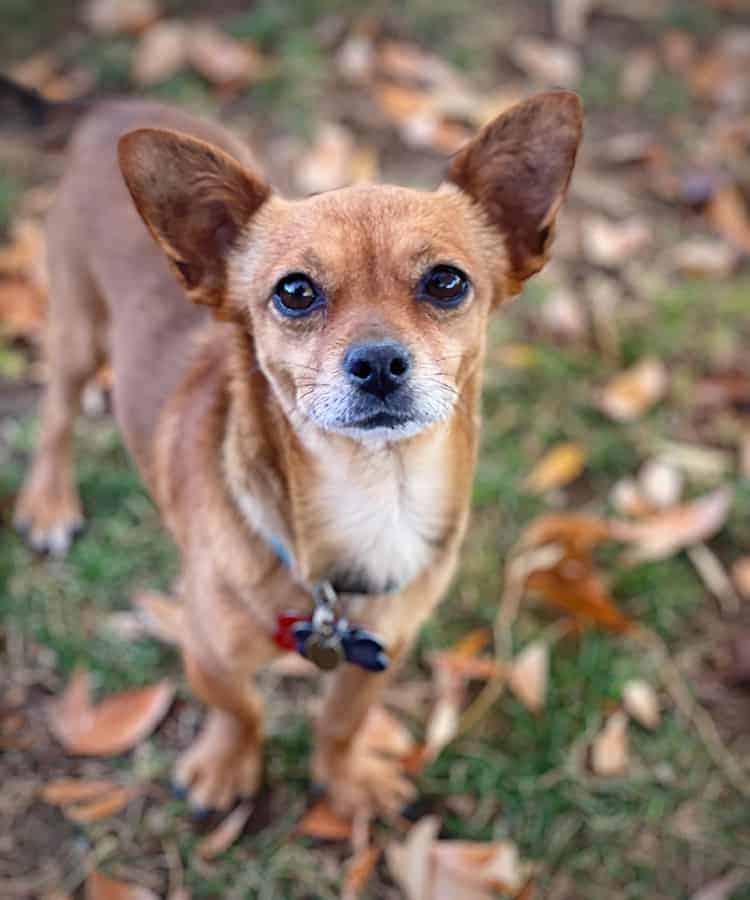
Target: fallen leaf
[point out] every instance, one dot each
(356, 57)
(25, 254)
(400, 103)
(728, 213)
(571, 18)
(226, 833)
(529, 675)
(741, 575)
(161, 53)
(660, 483)
(221, 59)
(722, 888)
(358, 872)
(557, 468)
(321, 822)
(633, 392)
(428, 869)
(546, 62)
(118, 16)
(563, 315)
(160, 616)
(703, 258)
(641, 703)
(627, 499)
(611, 244)
(569, 579)
(104, 807)
(409, 862)
(328, 164)
(665, 533)
(609, 750)
(101, 887)
(22, 310)
(116, 724)
(63, 791)
(638, 72)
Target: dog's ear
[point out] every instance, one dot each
(517, 169)
(195, 200)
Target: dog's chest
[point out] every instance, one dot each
(374, 524)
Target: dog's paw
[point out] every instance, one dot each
(363, 782)
(213, 775)
(49, 520)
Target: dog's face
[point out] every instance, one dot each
(368, 304)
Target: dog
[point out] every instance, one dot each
(298, 382)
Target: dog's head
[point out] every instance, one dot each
(367, 305)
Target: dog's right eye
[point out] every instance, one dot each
(297, 295)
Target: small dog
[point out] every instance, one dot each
(302, 399)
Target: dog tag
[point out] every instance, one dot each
(324, 650)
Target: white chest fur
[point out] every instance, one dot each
(375, 518)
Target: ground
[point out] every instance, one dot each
(673, 823)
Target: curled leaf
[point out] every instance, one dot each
(641, 703)
(632, 393)
(321, 822)
(529, 675)
(609, 751)
(561, 465)
(116, 724)
(102, 887)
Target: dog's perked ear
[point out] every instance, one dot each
(517, 169)
(195, 200)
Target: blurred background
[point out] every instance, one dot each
(578, 713)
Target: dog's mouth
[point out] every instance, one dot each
(381, 420)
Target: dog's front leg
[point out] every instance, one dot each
(356, 778)
(224, 762)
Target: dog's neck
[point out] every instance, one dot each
(367, 518)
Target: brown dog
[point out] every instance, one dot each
(309, 422)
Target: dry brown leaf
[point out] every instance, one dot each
(633, 392)
(442, 725)
(400, 104)
(428, 869)
(563, 315)
(409, 862)
(571, 18)
(102, 887)
(569, 579)
(117, 16)
(221, 59)
(660, 483)
(161, 53)
(321, 822)
(328, 164)
(722, 888)
(25, 254)
(741, 575)
(611, 244)
(641, 703)
(546, 62)
(359, 870)
(557, 468)
(113, 726)
(665, 533)
(160, 616)
(609, 750)
(226, 833)
(529, 675)
(109, 804)
(63, 791)
(703, 258)
(22, 309)
(728, 213)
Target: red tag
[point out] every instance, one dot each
(283, 636)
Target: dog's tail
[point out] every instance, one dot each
(24, 109)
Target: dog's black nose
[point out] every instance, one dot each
(378, 368)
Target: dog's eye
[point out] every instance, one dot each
(297, 295)
(444, 286)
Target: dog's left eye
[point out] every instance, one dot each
(445, 286)
(297, 295)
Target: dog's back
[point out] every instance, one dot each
(109, 279)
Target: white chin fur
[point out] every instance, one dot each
(380, 435)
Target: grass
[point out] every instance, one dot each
(519, 774)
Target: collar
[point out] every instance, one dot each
(325, 637)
